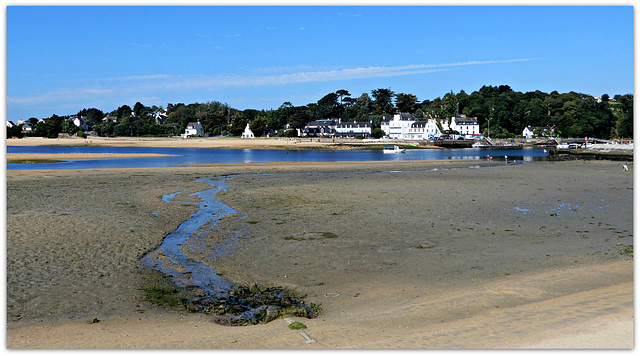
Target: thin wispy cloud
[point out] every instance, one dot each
(59, 95)
(142, 85)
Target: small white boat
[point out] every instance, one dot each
(392, 149)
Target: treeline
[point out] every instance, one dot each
(508, 112)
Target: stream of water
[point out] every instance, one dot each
(170, 260)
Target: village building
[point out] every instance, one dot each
(467, 127)
(399, 126)
(528, 132)
(531, 132)
(405, 126)
(26, 126)
(160, 117)
(321, 128)
(353, 129)
(248, 133)
(193, 129)
(110, 118)
(80, 122)
(423, 130)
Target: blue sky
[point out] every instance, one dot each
(62, 59)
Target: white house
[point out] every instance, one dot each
(248, 133)
(193, 129)
(160, 117)
(352, 129)
(528, 131)
(467, 127)
(110, 118)
(321, 128)
(399, 126)
(405, 126)
(423, 130)
(26, 126)
(80, 122)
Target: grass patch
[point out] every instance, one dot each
(160, 292)
(627, 250)
(164, 297)
(22, 161)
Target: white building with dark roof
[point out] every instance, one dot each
(423, 130)
(321, 128)
(467, 127)
(399, 126)
(352, 129)
(405, 126)
(193, 129)
(530, 131)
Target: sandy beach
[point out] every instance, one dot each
(410, 255)
(199, 142)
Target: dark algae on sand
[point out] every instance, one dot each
(199, 288)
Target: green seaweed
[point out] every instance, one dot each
(297, 326)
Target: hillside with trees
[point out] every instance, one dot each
(508, 112)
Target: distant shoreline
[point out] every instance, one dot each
(294, 143)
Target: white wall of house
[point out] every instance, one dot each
(465, 126)
(248, 133)
(397, 128)
(79, 121)
(193, 129)
(353, 129)
(527, 132)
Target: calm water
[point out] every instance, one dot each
(217, 155)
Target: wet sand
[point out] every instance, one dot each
(411, 255)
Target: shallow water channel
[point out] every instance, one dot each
(244, 303)
(170, 260)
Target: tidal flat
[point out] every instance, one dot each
(442, 254)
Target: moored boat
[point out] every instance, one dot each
(392, 149)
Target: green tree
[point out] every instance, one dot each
(123, 112)
(407, 103)
(344, 97)
(377, 133)
(140, 110)
(50, 127)
(329, 106)
(15, 131)
(258, 125)
(383, 101)
(276, 120)
(299, 117)
(92, 116)
(622, 110)
(361, 110)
